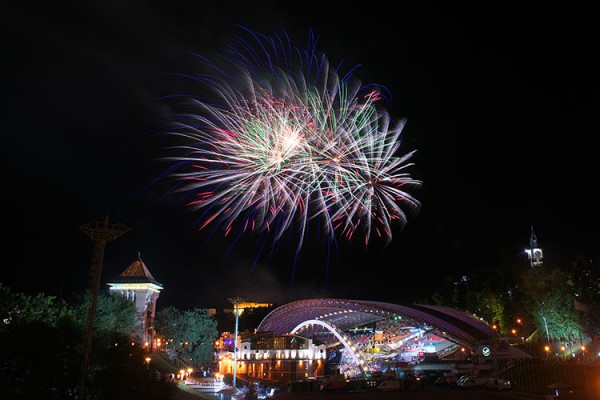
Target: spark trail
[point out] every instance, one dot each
(280, 140)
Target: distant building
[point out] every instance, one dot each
(137, 284)
(241, 306)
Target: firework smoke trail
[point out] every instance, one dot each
(284, 140)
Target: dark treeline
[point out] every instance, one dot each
(41, 350)
(542, 304)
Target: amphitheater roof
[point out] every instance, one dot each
(452, 324)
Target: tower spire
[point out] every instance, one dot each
(532, 239)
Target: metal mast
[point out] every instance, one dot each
(101, 233)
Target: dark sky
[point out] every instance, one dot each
(501, 103)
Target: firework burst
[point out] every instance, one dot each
(283, 140)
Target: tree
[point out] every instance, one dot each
(41, 352)
(18, 307)
(118, 371)
(487, 293)
(113, 314)
(549, 299)
(193, 333)
(40, 360)
(585, 277)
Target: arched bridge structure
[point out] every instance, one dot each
(340, 335)
(330, 320)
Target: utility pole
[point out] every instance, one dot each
(101, 233)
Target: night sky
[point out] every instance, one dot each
(501, 104)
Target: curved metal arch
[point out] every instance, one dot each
(454, 325)
(338, 334)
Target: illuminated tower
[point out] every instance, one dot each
(101, 233)
(137, 284)
(534, 253)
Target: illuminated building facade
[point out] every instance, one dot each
(325, 337)
(138, 285)
(279, 357)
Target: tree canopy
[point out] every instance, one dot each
(41, 355)
(544, 296)
(191, 332)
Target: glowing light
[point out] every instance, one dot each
(283, 140)
(135, 286)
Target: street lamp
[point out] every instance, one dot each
(240, 303)
(236, 301)
(547, 348)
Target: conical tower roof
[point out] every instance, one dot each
(137, 272)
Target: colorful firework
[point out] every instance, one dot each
(283, 140)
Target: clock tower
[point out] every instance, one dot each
(534, 252)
